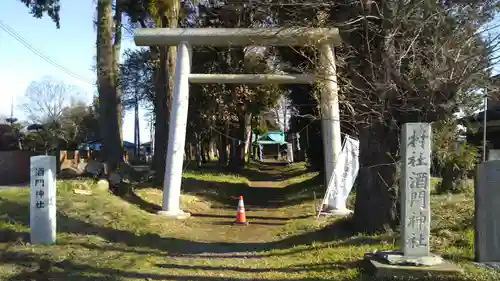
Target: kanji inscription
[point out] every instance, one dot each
(42, 200)
(415, 192)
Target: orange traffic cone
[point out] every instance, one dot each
(241, 217)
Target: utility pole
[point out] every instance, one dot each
(137, 138)
(11, 120)
(485, 123)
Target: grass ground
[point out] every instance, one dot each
(104, 237)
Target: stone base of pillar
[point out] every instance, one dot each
(390, 264)
(179, 215)
(329, 211)
(338, 212)
(396, 257)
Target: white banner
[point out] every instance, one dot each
(344, 175)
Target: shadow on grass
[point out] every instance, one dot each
(40, 268)
(271, 172)
(136, 200)
(8, 235)
(250, 223)
(337, 230)
(250, 217)
(296, 268)
(161, 246)
(224, 193)
(69, 270)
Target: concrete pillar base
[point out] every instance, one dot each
(179, 215)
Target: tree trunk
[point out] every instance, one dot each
(447, 183)
(376, 207)
(248, 137)
(453, 181)
(187, 151)
(213, 150)
(162, 116)
(220, 146)
(137, 137)
(169, 10)
(204, 152)
(223, 147)
(232, 154)
(237, 148)
(117, 44)
(109, 101)
(197, 150)
(167, 69)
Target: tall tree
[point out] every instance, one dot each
(159, 13)
(417, 63)
(78, 123)
(117, 43)
(137, 84)
(109, 99)
(398, 63)
(220, 107)
(45, 100)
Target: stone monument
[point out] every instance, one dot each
(43, 199)
(415, 190)
(487, 221)
(414, 257)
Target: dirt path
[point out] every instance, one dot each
(271, 175)
(271, 215)
(266, 212)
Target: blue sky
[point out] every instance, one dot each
(72, 46)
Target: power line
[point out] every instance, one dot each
(23, 41)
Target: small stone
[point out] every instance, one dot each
(81, 166)
(102, 185)
(82, 191)
(445, 233)
(115, 179)
(68, 173)
(95, 168)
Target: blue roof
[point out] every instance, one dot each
(128, 144)
(270, 138)
(96, 145)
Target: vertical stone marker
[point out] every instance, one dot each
(415, 189)
(487, 208)
(414, 258)
(43, 199)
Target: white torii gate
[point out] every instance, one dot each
(323, 38)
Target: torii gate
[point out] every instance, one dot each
(323, 38)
